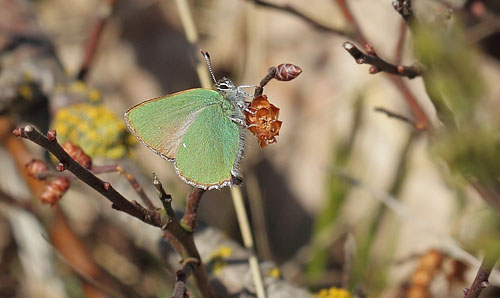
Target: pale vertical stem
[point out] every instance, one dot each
(205, 81)
(192, 37)
(246, 234)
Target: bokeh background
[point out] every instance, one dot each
(346, 198)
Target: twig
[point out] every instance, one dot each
(180, 289)
(404, 8)
(271, 73)
(185, 239)
(188, 221)
(394, 115)
(480, 281)
(421, 119)
(300, 15)
(100, 170)
(119, 202)
(94, 37)
(398, 52)
(379, 64)
(137, 187)
(155, 218)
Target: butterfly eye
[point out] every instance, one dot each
(225, 84)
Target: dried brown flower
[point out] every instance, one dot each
(77, 154)
(262, 120)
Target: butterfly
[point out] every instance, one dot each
(200, 130)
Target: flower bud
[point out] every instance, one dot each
(77, 154)
(36, 166)
(287, 72)
(54, 190)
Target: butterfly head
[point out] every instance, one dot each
(225, 86)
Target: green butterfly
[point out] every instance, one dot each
(200, 130)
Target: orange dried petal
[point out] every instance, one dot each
(259, 102)
(274, 111)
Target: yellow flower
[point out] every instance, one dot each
(333, 292)
(216, 260)
(93, 127)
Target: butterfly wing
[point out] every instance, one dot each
(161, 123)
(211, 149)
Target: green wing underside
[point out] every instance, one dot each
(192, 128)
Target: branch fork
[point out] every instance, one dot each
(166, 220)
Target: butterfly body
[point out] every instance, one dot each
(200, 130)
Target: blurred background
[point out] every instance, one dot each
(347, 197)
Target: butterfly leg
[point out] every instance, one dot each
(239, 121)
(246, 94)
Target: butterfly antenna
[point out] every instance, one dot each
(209, 63)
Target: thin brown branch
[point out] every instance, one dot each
(405, 9)
(394, 115)
(421, 119)
(289, 9)
(379, 64)
(167, 221)
(180, 288)
(137, 187)
(398, 52)
(358, 34)
(480, 282)
(270, 75)
(93, 39)
(193, 201)
(119, 202)
(185, 238)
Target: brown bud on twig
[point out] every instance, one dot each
(287, 72)
(262, 120)
(373, 69)
(18, 132)
(51, 135)
(61, 167)
(369, 49)
(36, 166)
(78, 154)
(54, 190)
